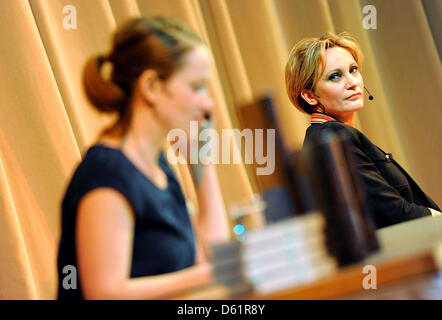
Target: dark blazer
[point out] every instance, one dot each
(391, 193)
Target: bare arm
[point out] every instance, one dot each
(212, 219)
(105, 225)
(211, 223)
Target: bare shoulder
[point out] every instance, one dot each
(104, 203)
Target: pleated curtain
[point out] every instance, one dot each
(46, 123)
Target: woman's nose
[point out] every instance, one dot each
(208, 104)
(351, 81)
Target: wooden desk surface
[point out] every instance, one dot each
(409, 249)
(350, 279)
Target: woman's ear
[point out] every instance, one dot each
(149, 86)
(309, 97)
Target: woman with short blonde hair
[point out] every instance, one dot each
(323, 79)
(306, 62)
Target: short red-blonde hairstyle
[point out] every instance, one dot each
(306, 64)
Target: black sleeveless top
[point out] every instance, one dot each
(163, 236)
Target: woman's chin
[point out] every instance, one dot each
(356, 106)
(360, 107)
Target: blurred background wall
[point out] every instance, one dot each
(46, 123)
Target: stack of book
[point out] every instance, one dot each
(284, 254)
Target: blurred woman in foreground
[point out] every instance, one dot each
(125, 224)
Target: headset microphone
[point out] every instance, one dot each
(370, 97)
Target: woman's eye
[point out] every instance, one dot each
(199, 89)
(354, 69)
(335, 76)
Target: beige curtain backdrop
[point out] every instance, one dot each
(46, 123)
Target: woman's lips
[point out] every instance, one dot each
(354, 96)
